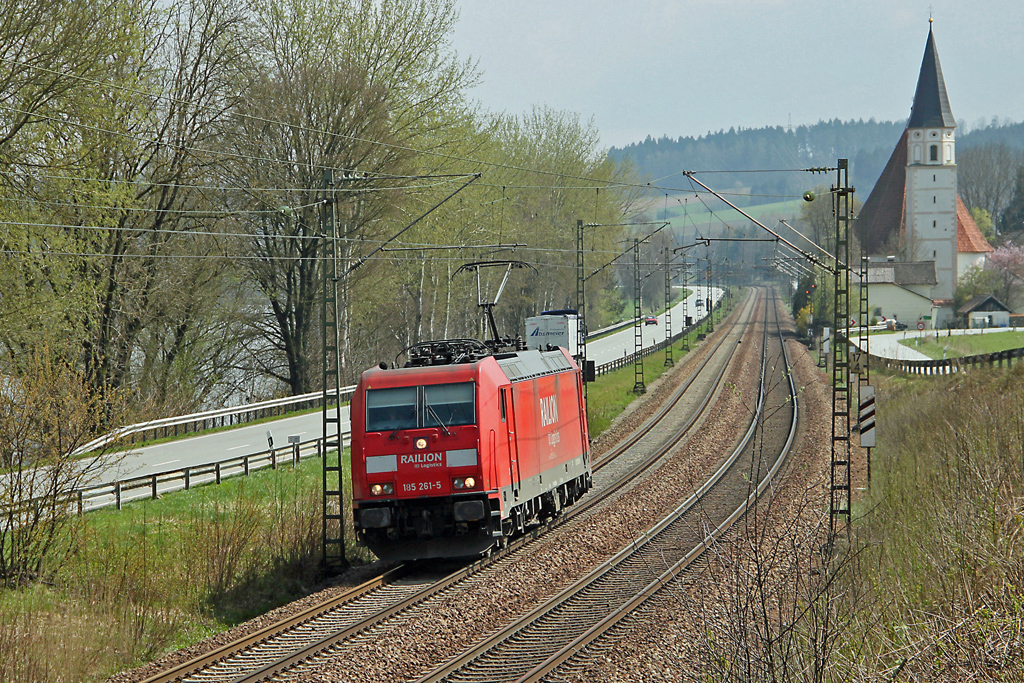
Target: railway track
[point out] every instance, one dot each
(538, 643)
(348, 618)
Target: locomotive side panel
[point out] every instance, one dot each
(551, 451)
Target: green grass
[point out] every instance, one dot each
(165, 573)
(700, 217)
(683, 293)
(613, 392)
(956, 345)
(162, 574)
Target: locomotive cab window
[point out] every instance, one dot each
(388, 409)
(451, 404)
(434, 405)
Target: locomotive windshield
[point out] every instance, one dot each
(390, 409)
(433, 405)
(452, 404)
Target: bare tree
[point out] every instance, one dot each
(350, 89)
(1012, 218)
(47, 412)
(985, 175)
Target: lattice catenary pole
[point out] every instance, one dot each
(839, 479)
(638, 331)
(333, 477)
(668, 307)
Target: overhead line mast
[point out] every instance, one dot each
(333, 528)
(842, 197)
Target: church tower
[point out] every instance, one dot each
(931, 188)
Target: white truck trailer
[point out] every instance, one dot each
(554, 328)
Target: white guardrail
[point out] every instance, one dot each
(223, 417)
(226, 417)
(153, 485)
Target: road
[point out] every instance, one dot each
(887, 345)
(622, 343)
(252, 439)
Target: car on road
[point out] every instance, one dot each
(651, 320)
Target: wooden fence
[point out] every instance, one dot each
(946, 366)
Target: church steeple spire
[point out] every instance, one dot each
(931, 105)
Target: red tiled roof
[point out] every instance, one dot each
(883, 213)
(968, 237)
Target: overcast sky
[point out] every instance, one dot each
(687, 67)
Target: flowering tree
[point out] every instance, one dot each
(1008, 262)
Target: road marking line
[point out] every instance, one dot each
(235, 448)
(161, 464)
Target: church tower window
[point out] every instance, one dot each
(933, 152)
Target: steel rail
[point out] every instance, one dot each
(291, 660)
(661, 583)
(669, 404)
(184, 669)
(518, 637)
(315, 645)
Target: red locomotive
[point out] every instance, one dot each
(459, 450)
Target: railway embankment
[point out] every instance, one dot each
(164, 573)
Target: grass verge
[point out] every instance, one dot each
(953, 346)
(938, 593)
(613, 392)
(162, 574)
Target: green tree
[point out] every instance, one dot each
(350, 88)
(49, 52)
(975, 280)
(115, 213)
(984, 221)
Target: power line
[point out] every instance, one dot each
(213, 213)
(244, 257)
(306, 129)
(600, 182)
(206, 213)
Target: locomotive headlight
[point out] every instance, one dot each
(421, 443)
(382, 489)
(459, 483)
(470, 482)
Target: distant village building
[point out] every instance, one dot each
(914, 216)
(984, 310)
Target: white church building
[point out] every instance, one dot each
(918, 234)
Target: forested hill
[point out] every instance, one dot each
(867, 144)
